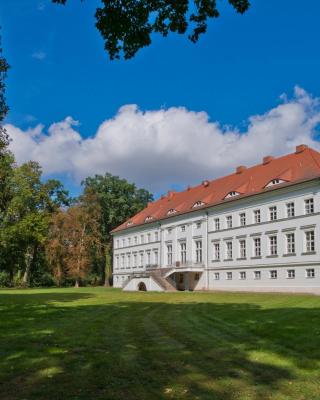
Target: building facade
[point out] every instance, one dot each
(254, 230)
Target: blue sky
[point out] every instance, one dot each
(237, 70)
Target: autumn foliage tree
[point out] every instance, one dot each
(73, 235)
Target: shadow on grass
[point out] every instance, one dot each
(152, 350)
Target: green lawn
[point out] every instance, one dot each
(105, 344)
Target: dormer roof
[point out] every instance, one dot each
(302, 165)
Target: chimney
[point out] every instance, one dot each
(300, 148)
(240, 169)
(189, 188)
(171, 194)
(205, 183)
(266, 160)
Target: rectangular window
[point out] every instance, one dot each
(156, 236)
(229, 250)
(198, 225)
(229, 221)
(257, 247)
(141, 259)
(122, 261)
(128, 261)
(216, 251)
(135, 260)
(291, 273)
(310, 273)
(183, 228)
(257, 216)
(141, 239)
(117, 262)
(242, 218)
(183, 251)
(309, 206)
(155, 257)
(229, 276)
(148, 258)
(169, 231)
(123, 242)
(217, 224)
(196, 276)
(135, 240)
(290, 210)
(273, 213)
(257, 275)
(199, 251)
(242, 248)
(273, 246)
(310, 244)
(242, 275)
(149, 237)
(291, 246)
(169, 254)
(117, 244)
(273, 274)
(216, 276)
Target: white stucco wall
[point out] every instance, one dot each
(151, 285)
(185, 228)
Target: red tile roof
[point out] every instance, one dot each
(300, 166)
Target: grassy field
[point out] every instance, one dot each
(104, 344)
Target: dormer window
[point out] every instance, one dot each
(148, 218)
(129, 223)
(198, 204)
(275, 181)
(171, 211)
(232, 194)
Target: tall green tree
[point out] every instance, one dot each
(4, 66)
(117, 200)
(25, 220)
(6, 158)
(127, 25)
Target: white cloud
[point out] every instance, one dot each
(159, 148)
(39, 55)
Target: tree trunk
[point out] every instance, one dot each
(76, 284)
(26, 274)
(30, 258)
(108, 267)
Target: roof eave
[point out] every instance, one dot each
(224, 201)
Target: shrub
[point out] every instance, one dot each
(45, 279)
(5, 280)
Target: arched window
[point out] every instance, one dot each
(198, 203)
(275, 181)
(232, 194)
(171, 211)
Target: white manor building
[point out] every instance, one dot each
(257, 229)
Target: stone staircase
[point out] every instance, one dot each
(163, 282)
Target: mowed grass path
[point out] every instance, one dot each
(105, 344)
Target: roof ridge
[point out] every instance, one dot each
(292, 168)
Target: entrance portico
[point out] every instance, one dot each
(185, 280)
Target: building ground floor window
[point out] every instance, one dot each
(265, 274)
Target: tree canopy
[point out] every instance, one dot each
(4, 140)
(127, 25)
